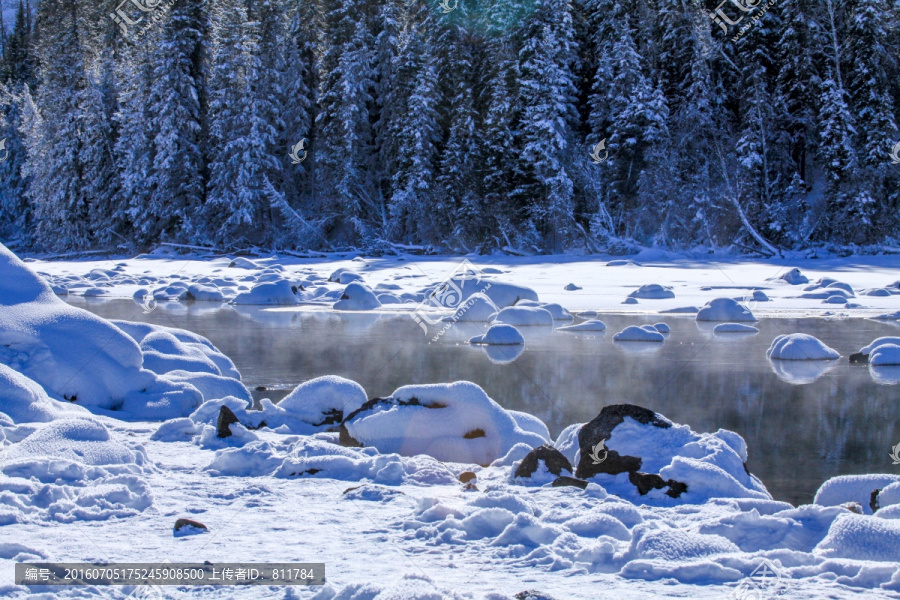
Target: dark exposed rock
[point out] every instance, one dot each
(345, 439)
(260, 388)
(873, 500)
(853, 507)
(470, 487)
(858, 358)
(645, 482)
(332, 417)
(553, 458)
(312, 471)
(188, 523)
(533, 595)
(475, 433)
(600, 429)
(467, 476)
(226, 418)
(564, 481)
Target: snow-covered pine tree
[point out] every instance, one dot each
(344, 182)
(412, 210)
(299, 84)
(177, 175)
(53, 129)
(545, 132)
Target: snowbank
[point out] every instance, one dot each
(453, 422)
(321, 402)
(24, 401)
(725, 309)
(499, 335)
(800, 346)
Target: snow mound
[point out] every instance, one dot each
(725, 309)
(556, 310)
(885, 355)
(571, 287)
(357, 296)
(643, 457)
(652, 291)
(594, 325)
(270, 293)
(800, 346)
(243, 263)
(734, 328)
(879, 342)
(861, 537)
(453, 422)
(79, 440)
(793, 277)
(24, 401)
(852, 488)
(524, 316)
(75, 355)
(204, 293)
(644, 333)
(662, 327)
(499, 335)
(321, 402)
(477, 308)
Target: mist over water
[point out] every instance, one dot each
(798, 435)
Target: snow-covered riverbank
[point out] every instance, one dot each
(111, 431)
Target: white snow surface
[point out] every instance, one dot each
(85, 487)
(439, 424)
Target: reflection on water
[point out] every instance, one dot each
(841, 422)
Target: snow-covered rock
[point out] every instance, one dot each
(652, 291)
(357, 296)
(455, 422)
(571, 287)
(800, 346)
(243, 263)
(885, 355)
(866, 350)
(643, 333)
(642, 456)
(592, 325)
(662, 327)
(478, 308)
(204, 293)
(734, 328)
(793, 277)
(556, 310)
(853, 488)
(323, 401)
(524, 316)
(499, 335)
(277, 293)
(726, 310)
